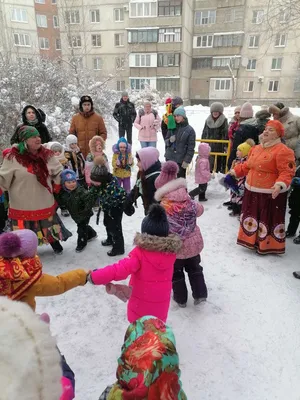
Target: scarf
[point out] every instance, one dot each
(35, 163)
(33, 122)
(148, 367)
(18, 275)
(86, 114)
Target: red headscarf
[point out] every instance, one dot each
(277, 125)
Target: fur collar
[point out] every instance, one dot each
(212, 123)
(170, 187)
(271, 143)
(263, 114)
(249, 121)
(285, 115)
(169, 244)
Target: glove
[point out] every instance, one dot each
(184, 165)
(172, 138)
(123, 292)
(118, 163)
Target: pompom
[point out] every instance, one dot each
(250, 142)
(157, 213)
(168, 100)
(170, 168)
(100, 160)
(10, 245)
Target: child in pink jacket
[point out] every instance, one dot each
(150, 265)
(182, 213)
(202, 172)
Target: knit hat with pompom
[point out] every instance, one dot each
(169, 171)
(22, 243)
(99, 172)
(156, 222)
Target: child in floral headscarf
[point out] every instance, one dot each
(148, 367)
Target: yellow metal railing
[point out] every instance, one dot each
(217, 154)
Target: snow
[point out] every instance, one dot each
(244, 343)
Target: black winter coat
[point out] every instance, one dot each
(248, 129)
(216, 130)
(184, 146)
(294, 197)
(124, 113)
(78, 202)
(145, 187)
(40, 126)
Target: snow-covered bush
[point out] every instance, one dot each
(147, 94)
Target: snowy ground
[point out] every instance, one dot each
(243, 344)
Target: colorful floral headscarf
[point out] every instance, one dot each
(148, 367)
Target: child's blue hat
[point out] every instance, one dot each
(122, 140)
(67, 175)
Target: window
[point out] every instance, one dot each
(280, 40)
(297, 85)
(284, 16)
(276, 63)
(142, 60)
(119, 39)
(55, 21)
(57, 44)
(228, 40)
(53, 1)
(94, 16)
(224, 62)
(97, 63)
(168, 60)
(143, 36)
(273, 86)
(145, 9)
(205, 17)
(41, 21)
(72, 17)
(119, 15)
(253, 41)
(96, 40)
(75, 41)
(248, 86)
(120, 62)
(19, 15)
(169, 8)
(120, 86)
(204, 41)
(251, 66)
(139, 83)
(200, 63)
(169, 35)
(168, 85)
(257, 17)
(21, 39)
(40, 1)
(234, 15)
(222, 84)
(44, 43)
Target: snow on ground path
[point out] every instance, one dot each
(242, 344)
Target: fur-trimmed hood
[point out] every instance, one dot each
(116, 151)
(169, 244)
(170, 187)
(93, 142)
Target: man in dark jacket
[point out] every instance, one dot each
(176, 102)
(125, 114)
(180, 143)
(33, 117)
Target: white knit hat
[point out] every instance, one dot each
(29, 360)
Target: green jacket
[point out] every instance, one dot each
(78, 202)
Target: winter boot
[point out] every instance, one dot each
(198, 301)
(201, 196)
(57, 247)
(115, 252)
(227, 203)
(297, 240)
(91, 233)
(107, 242)
(183, 305)
(236, 210)
(289, 234)
(81, 244)
(296, 274)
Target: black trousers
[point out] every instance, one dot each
(3, 217)
(294, 222)
(113, 224)
(200, 191)
(181, 172)
(195, 273)
(84, 232)
(128, 131)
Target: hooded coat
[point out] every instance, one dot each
(150, 265)
(182, 150)
(122, 164)
(38, 124)
(202, 169)
(291, 125)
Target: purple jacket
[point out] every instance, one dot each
(202, 170)
(182, 213)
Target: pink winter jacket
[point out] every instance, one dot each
(202, 170)
(182, 213)
(148, 126)
(150, 265)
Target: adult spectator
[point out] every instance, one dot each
(216, 128)
(31, 173)
(234, 124)
(291, 125)
(180, 143)
(86, 124)
(147, 122)
(125, 114)
(248, 129)
(262, 118)
(269, 170)
(33, 117)
(171, 107)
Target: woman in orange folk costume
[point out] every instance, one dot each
(270, 168)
